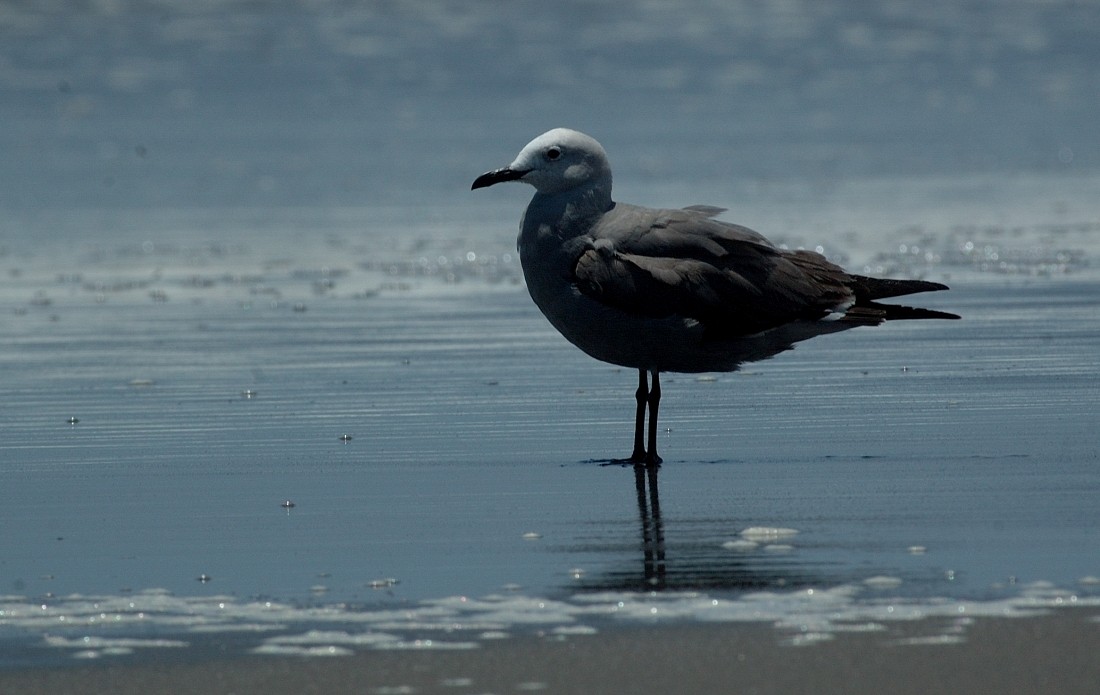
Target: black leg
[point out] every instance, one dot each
(642, 394)
(651, 457)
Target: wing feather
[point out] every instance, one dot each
(682, 262)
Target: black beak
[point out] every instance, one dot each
(497, 176)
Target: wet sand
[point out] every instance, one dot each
(1055, 653)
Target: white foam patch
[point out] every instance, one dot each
(430, 644)
(302, 650)
(883, 582)
(741, 545)
(768, 534)
(101, 643)
(89, 647)
(574, 630)
(99, 626)
(368, 639)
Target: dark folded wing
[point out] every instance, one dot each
(681, 262)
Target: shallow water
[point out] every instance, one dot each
(153, 442)
(231, 319)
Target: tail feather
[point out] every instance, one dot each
(868, 311)
(867, 288)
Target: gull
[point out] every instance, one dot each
(672, 290)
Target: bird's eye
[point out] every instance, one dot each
(553, 153)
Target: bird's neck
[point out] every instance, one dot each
(568, 213)
(554, 232)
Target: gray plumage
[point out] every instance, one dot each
(672, 290)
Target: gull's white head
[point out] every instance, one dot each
(558, 160)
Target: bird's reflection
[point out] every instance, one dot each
(653, 532)
(691, 559)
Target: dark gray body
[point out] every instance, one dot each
(676, 290)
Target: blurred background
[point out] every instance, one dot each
(140, 104)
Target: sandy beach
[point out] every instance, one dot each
(1055, 653)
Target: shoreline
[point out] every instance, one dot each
(1051, 653)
